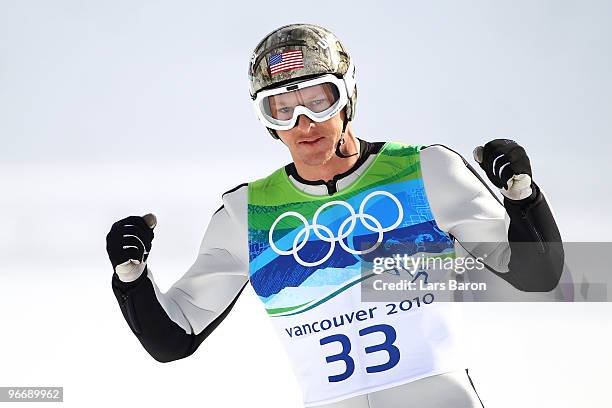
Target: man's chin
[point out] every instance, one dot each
(312, 157)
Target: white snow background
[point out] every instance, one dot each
(112, 108)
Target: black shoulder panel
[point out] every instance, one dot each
(234, 189)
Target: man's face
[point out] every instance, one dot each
(312, 143)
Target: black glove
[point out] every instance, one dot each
(502, 159)
(129, 239)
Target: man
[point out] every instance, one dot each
(302, 236)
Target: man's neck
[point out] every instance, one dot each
(335, 165)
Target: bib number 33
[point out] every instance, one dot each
(344, 355)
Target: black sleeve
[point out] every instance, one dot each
(537, 256)
(536, 249)
(163, 339)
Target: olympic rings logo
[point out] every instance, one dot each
(346, 228)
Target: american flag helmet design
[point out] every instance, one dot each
(297, 51)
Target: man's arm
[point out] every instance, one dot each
(528, 253)
(172, 325)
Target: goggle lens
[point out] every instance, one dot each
(316, 98)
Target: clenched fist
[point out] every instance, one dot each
(507, 166)
(128, 244)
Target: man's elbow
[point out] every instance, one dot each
(167, 357)
(171, 351)
(543, 276)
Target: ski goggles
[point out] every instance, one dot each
(319, 99)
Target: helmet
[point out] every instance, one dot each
(309, 52)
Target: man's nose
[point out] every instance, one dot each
(303, 122)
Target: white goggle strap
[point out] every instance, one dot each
(350, 79)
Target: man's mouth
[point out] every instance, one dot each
(310, 142)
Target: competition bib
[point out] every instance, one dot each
(308, 257)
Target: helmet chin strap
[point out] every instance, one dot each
(342, 141)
